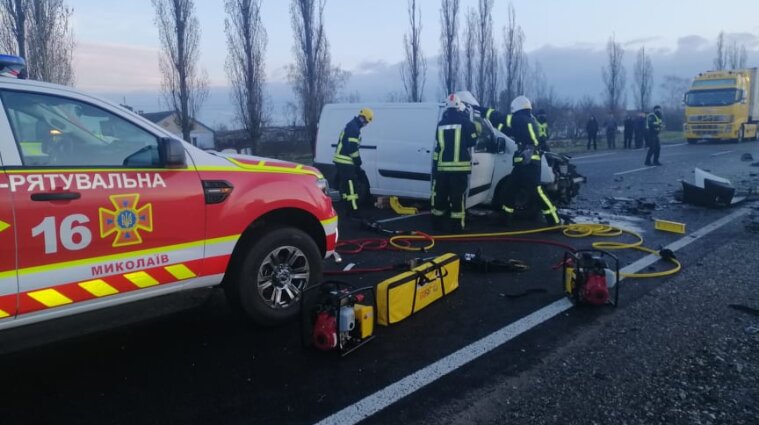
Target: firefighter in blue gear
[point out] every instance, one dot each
(347, 159)
(527, 162)
(452, 164)
(499, 120)
(654, 126)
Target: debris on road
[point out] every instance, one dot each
(710, 190)
(747, 157)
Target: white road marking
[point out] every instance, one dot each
(392, 393)
(673, 146)
(577, 158)
(633, 171)
(721, 153)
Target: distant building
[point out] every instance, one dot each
(201, 135)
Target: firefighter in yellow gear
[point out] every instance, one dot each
(452, 163)
(347, 159)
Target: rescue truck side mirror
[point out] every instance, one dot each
(172, 152)
(500, 145)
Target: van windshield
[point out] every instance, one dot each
(712, 97)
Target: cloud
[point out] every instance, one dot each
(111, 67)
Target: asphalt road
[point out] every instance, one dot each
(469, 358)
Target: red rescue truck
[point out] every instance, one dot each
(100, 207)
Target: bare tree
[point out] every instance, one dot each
(673, 89)
(536, 87)
(736, 56)
(40, 32)
(414, 70)
(468, 53)
(185, 88)
(491, 75)
(315, 81)
(14, 16)
(614, 75)
(449, 45)
(484, 43)
(246, 45)
(643, 84)
(720, 61)
(513, 41)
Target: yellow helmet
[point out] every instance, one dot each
(367, 113)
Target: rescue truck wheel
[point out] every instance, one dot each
(272, 275)
(524, 206)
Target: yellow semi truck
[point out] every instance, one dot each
(722, 105)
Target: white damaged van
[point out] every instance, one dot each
(396, 151)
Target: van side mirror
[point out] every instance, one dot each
(172, 153)
(500, 145)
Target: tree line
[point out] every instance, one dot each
(470, 58)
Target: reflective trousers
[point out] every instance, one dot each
(448, 197)
(528, 176)
(347, 184)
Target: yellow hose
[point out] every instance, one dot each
(579, 230)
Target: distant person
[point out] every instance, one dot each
(639, 130)
(654, 126)
(628, 132)
(611, 131)
(592, 129)
(543, 133)
(347, 160)
(455, 136)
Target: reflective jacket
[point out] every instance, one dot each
(524, 132)
(653, 123)
(455, 135)
(499, 120)
(347, 152)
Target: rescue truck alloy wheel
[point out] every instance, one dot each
(273, 274)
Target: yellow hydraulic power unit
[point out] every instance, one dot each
(405, 294)
(395, 204)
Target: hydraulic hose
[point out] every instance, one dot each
(410, 242)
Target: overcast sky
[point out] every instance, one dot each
(117, 50)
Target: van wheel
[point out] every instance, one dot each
(524, 205)
(268, 282)
(741, 135)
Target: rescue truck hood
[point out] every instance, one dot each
(258, 161)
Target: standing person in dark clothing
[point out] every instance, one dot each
(611, 131)
(654, 126)
(527, 162)
(628, 134)
(639, 128)
(592, 129)
(347, 159)
(452, 163)
(543, 133)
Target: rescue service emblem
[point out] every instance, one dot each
(126, 220)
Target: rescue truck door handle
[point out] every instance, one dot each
(56, 196)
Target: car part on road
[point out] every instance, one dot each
(336, 317)
(395, 204)
(484, 264)
(588, 278)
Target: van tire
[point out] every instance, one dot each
(274, 264)
(522, 208)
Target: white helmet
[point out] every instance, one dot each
(454, 102)
(519, 103)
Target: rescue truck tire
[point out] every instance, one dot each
(267, 283)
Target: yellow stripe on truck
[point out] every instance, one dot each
(50, 297)
(141, 279)
(180, 271)
(98, 288)
(3, 314)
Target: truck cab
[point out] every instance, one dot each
(101, 207)
(722, 105)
